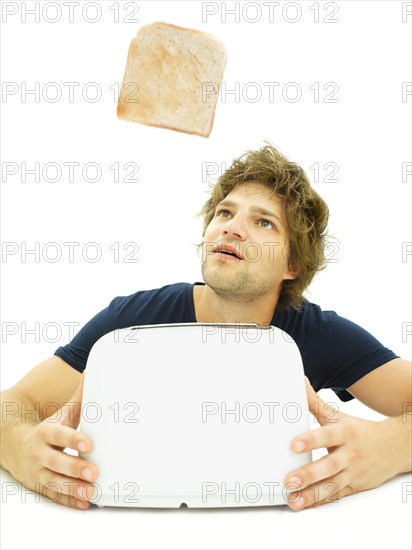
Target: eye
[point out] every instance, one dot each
(266, 224)
(222, 213)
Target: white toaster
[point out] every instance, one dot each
(197, 414)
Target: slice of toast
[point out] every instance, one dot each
(172, 79)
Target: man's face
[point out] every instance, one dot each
(244, 251)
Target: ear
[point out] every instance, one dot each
(291, 274)
(293, 267)
(292, 271)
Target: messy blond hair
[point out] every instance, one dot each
(306, 213)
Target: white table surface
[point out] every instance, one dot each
(380, 518)
(376, 519)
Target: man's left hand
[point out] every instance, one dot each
(361, 456)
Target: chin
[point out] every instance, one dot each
(225, 284)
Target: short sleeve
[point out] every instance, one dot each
(335, 352)
(353, 353)
(77, 351)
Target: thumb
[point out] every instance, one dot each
(323, 412)
(70, 412)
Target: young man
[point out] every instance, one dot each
(264, 232)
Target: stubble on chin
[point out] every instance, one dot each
(235, 287)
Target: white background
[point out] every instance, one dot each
(366, 133)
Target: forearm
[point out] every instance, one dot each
(32, 447)
(400, 439)
(18, 415)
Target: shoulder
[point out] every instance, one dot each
(308, 322)
(165, 293)
(336, 352)
(168, 304)
(320, 326)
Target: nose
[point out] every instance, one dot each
(235, 228)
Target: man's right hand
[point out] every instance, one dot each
(44, 467)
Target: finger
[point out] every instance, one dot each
(62, 436)
(335, 498)
(68, 465)
(316, 471)
(50, 494)
(64, 485)
(323, 412)
(70, 412)
(327, 491)
(325, 437)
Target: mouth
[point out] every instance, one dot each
(228, 251)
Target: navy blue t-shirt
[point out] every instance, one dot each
(335, 352)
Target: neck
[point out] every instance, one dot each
(211, 308)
